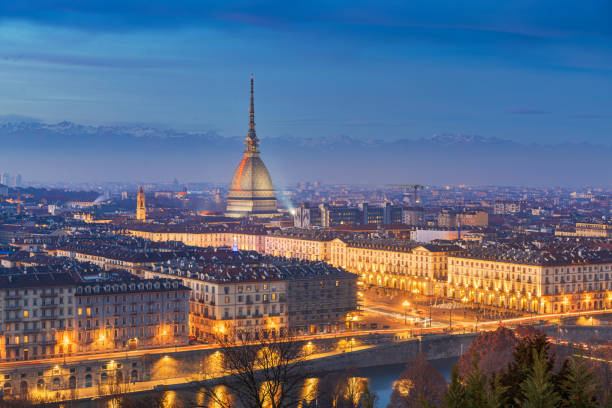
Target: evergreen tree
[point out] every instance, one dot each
(579, 386)
(519, 369)
(560, 377)
(495, 397)
(476, 387)
(537, 390)
(455, 394)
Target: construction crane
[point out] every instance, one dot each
(415, 190)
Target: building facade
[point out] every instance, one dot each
(44, 315)
(249, 294)
(532, 282)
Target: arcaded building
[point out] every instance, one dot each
(251, 191)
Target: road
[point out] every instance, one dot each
(437, 328)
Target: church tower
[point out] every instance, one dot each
(251, 191)
(141, 209)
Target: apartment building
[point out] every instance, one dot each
(395, 264)
(34, 309)
(125, 312)
(224, 300)
(54, 314)
(253, 294)
(531, 279)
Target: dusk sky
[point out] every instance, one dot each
(529, 71)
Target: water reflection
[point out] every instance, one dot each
(379, 379)
(309, 391)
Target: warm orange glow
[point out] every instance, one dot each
(240, 170)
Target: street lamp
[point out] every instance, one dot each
(406, 305)
(65, 342)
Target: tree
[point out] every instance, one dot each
(494, 351)
(419, 382)
(496, 397)
(351, 387)
(455, 394)
(266, 372)
(538, 390)
(579, 386)
(368, 398)
(519, 369)
(476, 387)
(329, 390)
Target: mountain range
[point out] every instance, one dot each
(73, 152)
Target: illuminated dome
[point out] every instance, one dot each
(251, 175)
(251, 191)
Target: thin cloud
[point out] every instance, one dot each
(80, 61)
(590, 116)
(527, 111)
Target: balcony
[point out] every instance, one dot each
(13, 296)
(48, 295)
(49, 306)
(12, 307)
(31, 330)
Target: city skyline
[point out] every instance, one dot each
(260, 203)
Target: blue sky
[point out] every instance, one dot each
(530, 71)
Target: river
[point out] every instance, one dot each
(380, 378)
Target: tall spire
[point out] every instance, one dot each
(251, 140)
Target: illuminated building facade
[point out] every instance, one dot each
(251, 191)
(141, 208)
(46, 315)
(532, 282)
(232, 292)
(588, 230)
(395, 264)
(386, 263)
(34, 309)
(131, 313)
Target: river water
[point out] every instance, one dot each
(380, 378)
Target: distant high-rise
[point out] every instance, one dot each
(141, 209)
(5, 178)
(251, 191)
(17, 182)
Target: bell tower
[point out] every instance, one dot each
(141, 209)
